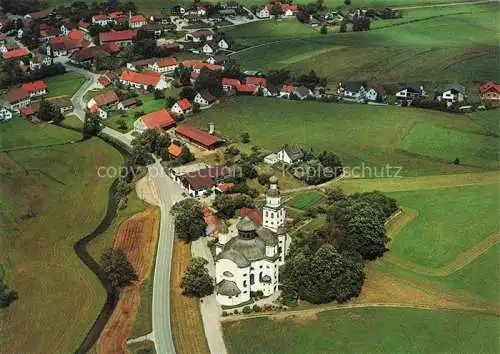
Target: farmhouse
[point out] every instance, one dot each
(409, 92)
(39, 60)
(262, 12)
(143, 80)
(101, 103)
(140, 64)
(5, 114)
(490, 92)
(37, 88)
(204, 98)
(154, 29)
(63, 46)
(182, 107)
(86, 56)
(255, 81)
(199, 36)
(229, 84)
(199, 183)
(223, 44)
(452, 93)
(18, 98)
(16, 53)
(163, 65)
(246, 89)
(290, 154)
(199, 137)
(136, 21)
(156, 120)
(351, 90)
(127, 104)
(101, 20)
(107, 78)
(174, 151)
(62, 103)
(121, 38)
(376, 94)
(207, 49)
(302, 93)
(247, 259)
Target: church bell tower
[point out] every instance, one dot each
(273, 211)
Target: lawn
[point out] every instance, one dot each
(357, 133)
(65, 84)
(50, 198)
(367, 330)
(412, 52)
(433, 141)
(306, 200)
(449, 221)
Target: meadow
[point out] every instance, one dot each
(50, 198)
(306, 200)
(416, 50)
(358, 134)
(66, 84)
(366, 330)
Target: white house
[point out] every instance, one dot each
(262, 13)
(223, 44)
(182, 107)
(352, 91)
(376, 94)
(101, 20)
(248, 258)
(207, 49)
(143, 80)
(164, 65)
(39, 60)
(290, 154)
(136, 21)
(5, 114)
(204, 98)
(452, 93)
(198, 36)
(410, 92)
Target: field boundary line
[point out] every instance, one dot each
(463, 259)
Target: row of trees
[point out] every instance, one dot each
(328, 265)
(11, 74)
(316, 170)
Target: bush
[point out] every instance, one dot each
(236, 312)
(256, 308)
(247, 309)
(224, 314)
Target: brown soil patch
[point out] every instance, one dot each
(137, 238)
(146, 190)
(187, 326)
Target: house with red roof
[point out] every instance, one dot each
(490, 92)
(76, 35)
(102, 103)
(253, 214)
(59, 46)
(137, 21)
(255, 80)
(229, 84)
(156, 120)
(174, 150)
(246, 89)
(286, 90)
(164, 65)
(18, 98)
(101, 20)
(143, 80)
(182, 107)
(289, 10)
(204, 98)
(121, 38)
(200, 182)
(16, 53)
(37, 88)
(87, 56)
(198, 137)
(107, 78)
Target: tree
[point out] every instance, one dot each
(189, 221)
(140, 156)
(196, 108)
(245, 138)
(385, 205)
(347, 2)
(335, 194)
(158, 94)
(188, 92)
(197, 281)
(144, 47)
(117, 268)
(324, 29)
(209, 80)
(92, 125)
(170, 102)
(7, 295)
(186, 155)
(48, 112)
(365, 234)
(276, 10)
(332, 161)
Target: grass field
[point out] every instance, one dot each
(357, 133)
(306, 200)
(449, 221)
(366, 331)
(418, 51)
(66, 84)
(50, 198)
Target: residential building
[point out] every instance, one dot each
(174, 151)
(207, 49)
(376, 94)
(255, 80)
(34, 89)
(302, 93)
(102, 103)
(352, 91)
(199, 183)
(204, 98)
(137, 21)
(143, 80)
(199, 36)
(164, 65)
(229, 85)
(127, 104)
(39, 60)
(223, 44)
(262, 12)
(490, 92)
(121, 38)
(248, 257)
(16, 53)
(5, 114)
(156, 120)
(198, 137)
(452, 93)
(140, 64)
(17, 98)
(182, 107)
(286, 90)
(106, 79)
(409, 92)
(101, 20)
(290, 154)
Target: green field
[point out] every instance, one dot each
(449, 221)
(50, 197)
(417, 51)
(306, 200)
(367, 330)
(66, 84)
(356, 133)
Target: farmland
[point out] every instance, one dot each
(357, 133)
(50, 198)
(405, 52)
(305, 200)
(366, 330)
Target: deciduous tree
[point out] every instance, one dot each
(117, 268)
(189, 221)
(197, 281)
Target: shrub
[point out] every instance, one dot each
(236, 312)
(256, 308)
(260, 294)
(224, 314)
(247, 309)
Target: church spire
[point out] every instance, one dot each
(273, 211)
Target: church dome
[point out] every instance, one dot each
(273, 180)
(246, 225)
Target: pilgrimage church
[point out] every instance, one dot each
(248, 258)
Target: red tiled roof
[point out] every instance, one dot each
(104, 81)
(111, 47)
(254, 80)
(116, 14)
(286, 7)
(29, 110)
(16, 53)
(159, 119)
(198, 64)
(287, 88)
(198, 136)
(184, 104)
(246, 88)
(201, 33)
(174, 150)
(164, 62)
(224, 187)
(205, 178)
(137, 18)
(230, 82)
(106, 98)
(253, 214)
(34, 86)
(117, 36)
(94, 108)
(16, 95)
(75, 35)
(144, 78)
(100, 17)
(85, 25)
(489, 86)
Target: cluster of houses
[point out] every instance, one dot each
(21, 96)
(287, 10)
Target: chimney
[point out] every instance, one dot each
(211, 128)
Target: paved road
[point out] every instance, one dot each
(169, 193)
(210, 310)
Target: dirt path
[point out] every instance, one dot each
(137, 238)
(462, 260)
